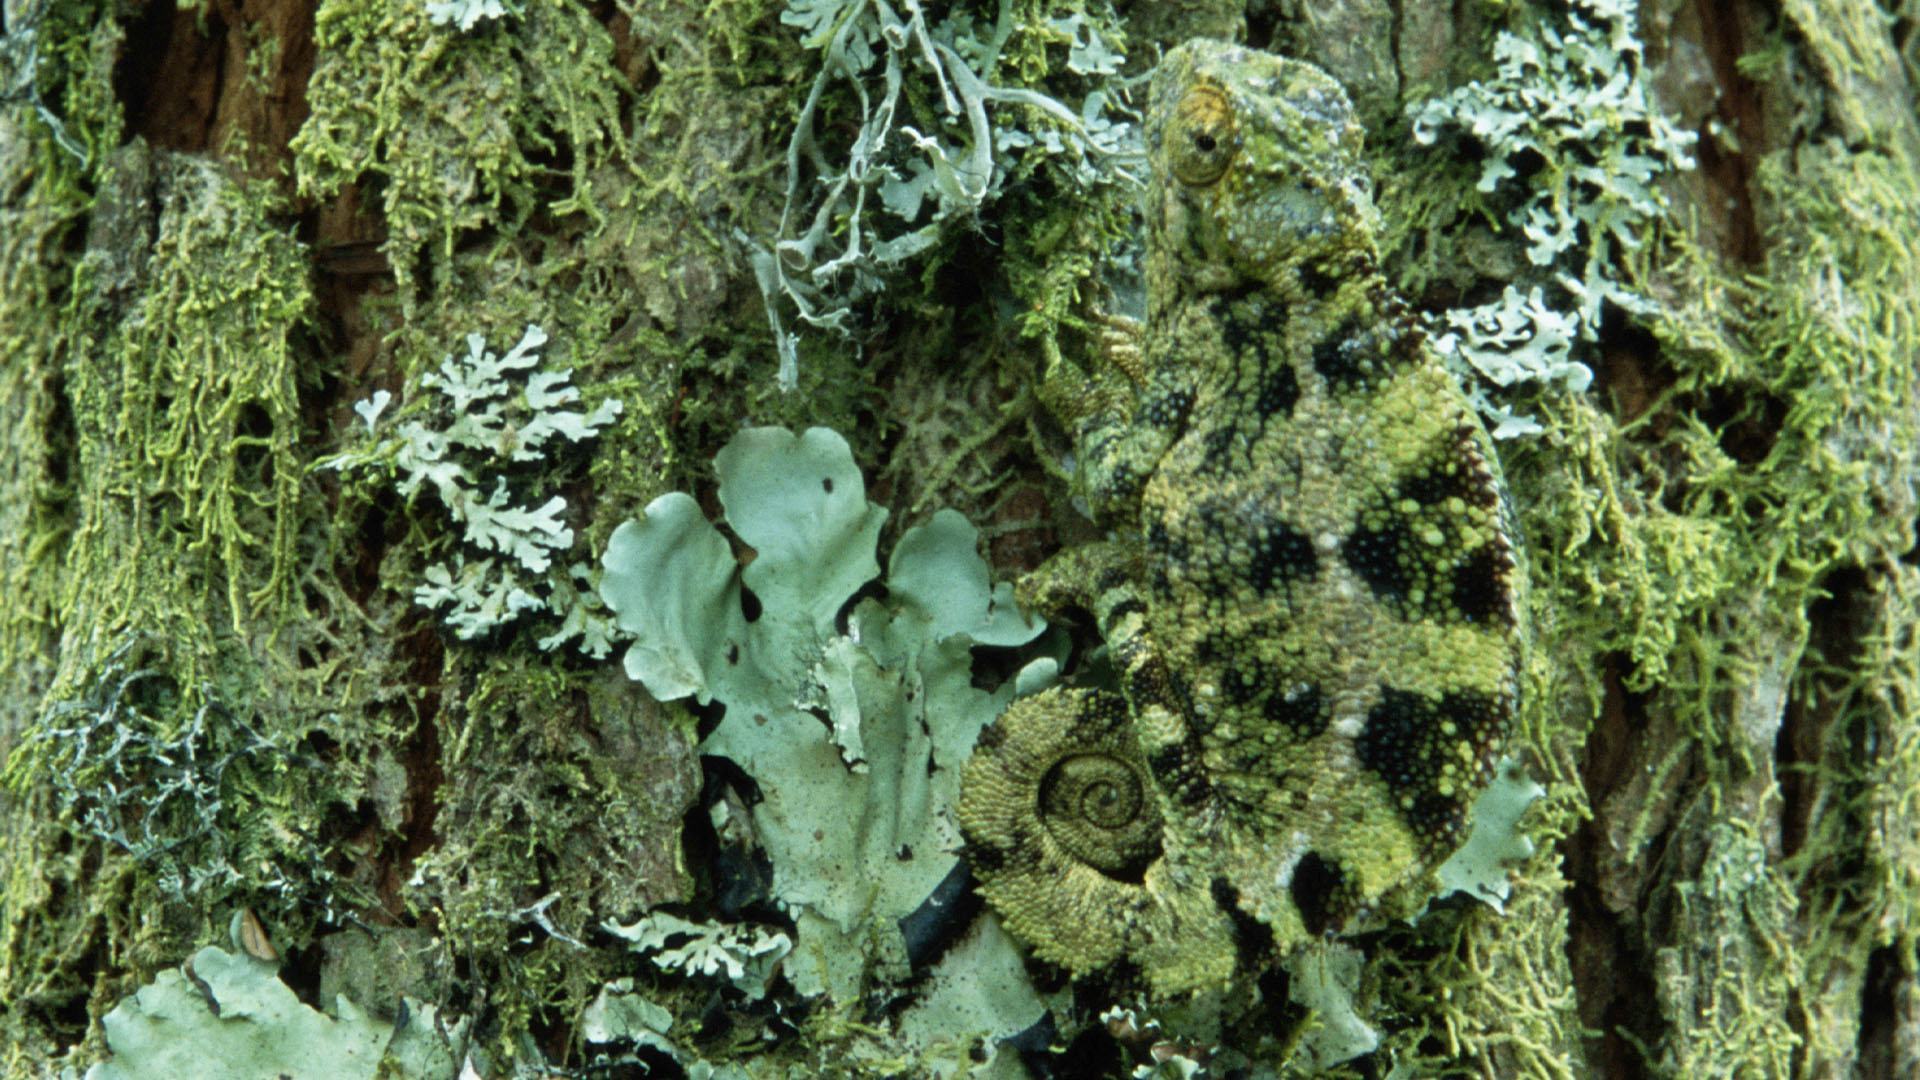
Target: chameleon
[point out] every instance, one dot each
(1312, 598)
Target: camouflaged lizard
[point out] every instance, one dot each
(1313, 600)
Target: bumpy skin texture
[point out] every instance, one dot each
(1313, 603)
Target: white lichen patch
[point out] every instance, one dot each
(746, 955)
(484, 413)
(851, 720)
(1574, 148)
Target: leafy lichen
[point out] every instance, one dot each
(852, 733)
(227, 1016)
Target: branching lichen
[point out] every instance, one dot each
(489, 412)
(1574, 146)
(930, 170)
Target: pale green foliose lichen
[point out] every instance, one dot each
(226, 1016)
(1495, 840)
(621, 1015)
(1575, 146)
(487, 413)
(852, 727)
(1326, 977)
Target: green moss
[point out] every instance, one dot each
(210, 663)
(45, 194)
(1687, 550)
(459, 131)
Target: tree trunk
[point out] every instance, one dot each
(226, 226)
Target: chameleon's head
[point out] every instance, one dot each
(1258, 177)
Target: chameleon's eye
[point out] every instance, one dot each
(1201, 136)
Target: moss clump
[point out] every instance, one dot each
(200, 681)
(462, 134)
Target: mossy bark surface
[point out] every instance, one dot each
(222, 225)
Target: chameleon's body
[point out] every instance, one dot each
(1314, 601)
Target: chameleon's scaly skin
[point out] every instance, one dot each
(1314, 601)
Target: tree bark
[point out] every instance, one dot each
(222, 226)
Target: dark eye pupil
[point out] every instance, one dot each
(1204, 143)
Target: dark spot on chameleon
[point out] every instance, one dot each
(1397, 738)
(1159, 581)
(1316, 282)
(1219, 519)
(1340, 357)
(1167, 763)
(1436, 482)
(987, 859)
(1279, 389)
(1180, 691)
(1480, 586)
(1281, 556)
(749, 605)
(1247, 317)
(1316, 889)
(1405, 740)
(1220, 649)
(1173, 771)
(733, 653)
(1165, 548)
(1303, 711)
(1166, 409)
(1236, 686)
(1253, 938)
(1375, 555)
(1409, 341)
(826, 483)
(1216, 451)
(1459, 474)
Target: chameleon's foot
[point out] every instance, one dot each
(1122, 340)
(1093, 577)
(1107, 384)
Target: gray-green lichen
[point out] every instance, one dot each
(852, 735)
(1572, 106)
(856, 216)
(228, 1016)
